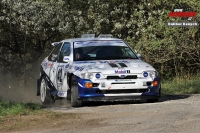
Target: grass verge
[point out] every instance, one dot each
(181, 85)
(12, 108)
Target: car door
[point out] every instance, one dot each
(53, 64)
(62, 69)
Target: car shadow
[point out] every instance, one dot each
(66, 104)
(107, 103)
(163, 98)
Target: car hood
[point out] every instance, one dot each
(112, 66)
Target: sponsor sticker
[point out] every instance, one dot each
(61, 93)
(67, 66)
(122, 71)
(66, 58)
(50, 64)
(81, 69)
(97, 75)
(145, 74)
(81, 62)
(78, 68)
(45, 64)
(113, 61)
(122, 76)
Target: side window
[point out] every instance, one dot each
(54, 53)
(65, 51)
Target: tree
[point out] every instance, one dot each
(28, 27)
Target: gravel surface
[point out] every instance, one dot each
(172, 114)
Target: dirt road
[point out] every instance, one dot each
(173, 114)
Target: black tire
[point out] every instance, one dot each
(45, 95)
(69, 95)
(75, 102)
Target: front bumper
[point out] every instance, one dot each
(134, 89)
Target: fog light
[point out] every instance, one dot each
(88, 85)
(155, 83)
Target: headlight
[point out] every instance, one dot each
(90, 75)
(151, 74)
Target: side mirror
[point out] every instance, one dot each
(67, 59)
(139, 56)
(55, 43)
(53, 57)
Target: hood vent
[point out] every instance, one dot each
(122, 64)
(112, 65)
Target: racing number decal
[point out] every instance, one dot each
(59, 75)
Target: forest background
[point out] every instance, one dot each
(28, 27)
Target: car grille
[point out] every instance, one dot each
(127, 77)
(95, 84)
(123, 83)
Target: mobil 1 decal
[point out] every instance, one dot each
(122, 71)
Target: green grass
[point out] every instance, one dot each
(181, 85)
(12, 108)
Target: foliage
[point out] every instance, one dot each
(28, 27)
(181, 85)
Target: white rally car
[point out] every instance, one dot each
(98, 69)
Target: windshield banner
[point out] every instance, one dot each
(98, 43)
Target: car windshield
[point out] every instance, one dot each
(103, 52)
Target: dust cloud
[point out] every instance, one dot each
(9, 91)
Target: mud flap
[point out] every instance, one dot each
(38, 87)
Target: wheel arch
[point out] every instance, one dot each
(69, 82)
(70, 75)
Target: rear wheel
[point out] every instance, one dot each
(75, 102)
(45, 95)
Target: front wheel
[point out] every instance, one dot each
(75, 102)
(45, 95)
